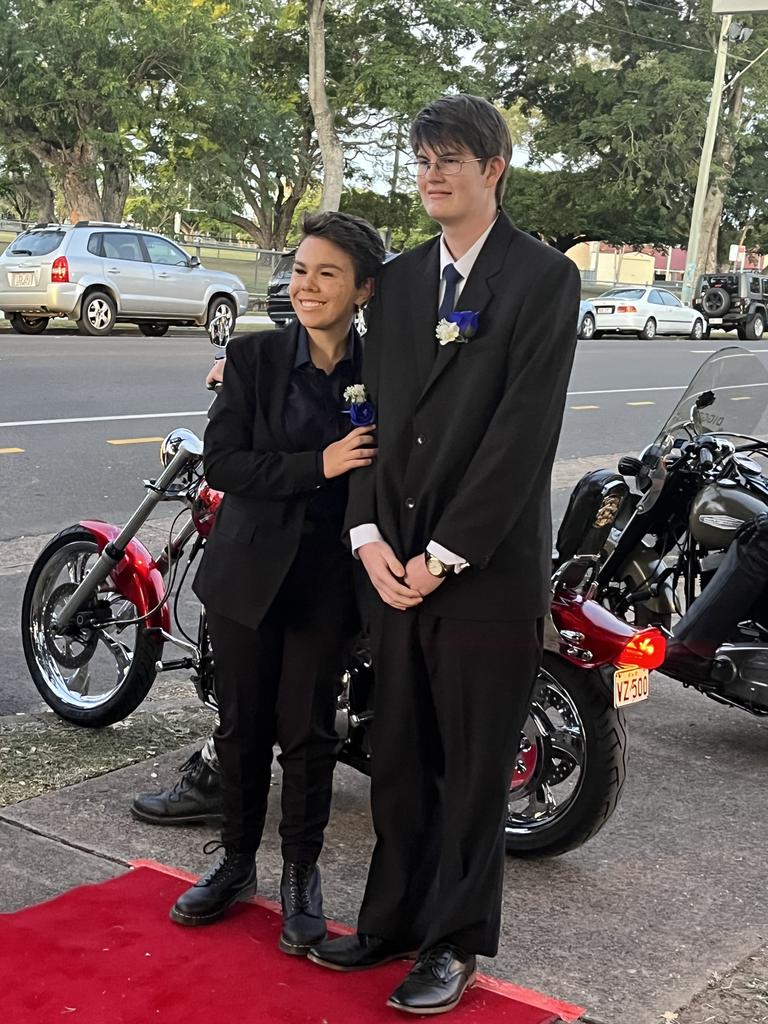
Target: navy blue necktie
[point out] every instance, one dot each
(451, 276)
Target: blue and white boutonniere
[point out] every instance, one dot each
(459, 326)
(360, 411)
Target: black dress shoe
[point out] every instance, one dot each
(357, 952)
(436, 982)
(302, 901)
(194, 800)
(682, 663)
(231, 879)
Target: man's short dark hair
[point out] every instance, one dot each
(469, 122)
(358, 239)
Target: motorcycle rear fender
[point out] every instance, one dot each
(136, 576)
(584, 632)
(643, 565)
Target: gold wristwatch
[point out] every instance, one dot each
(435, 567)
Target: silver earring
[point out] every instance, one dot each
(360, 325)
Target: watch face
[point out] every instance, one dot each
(435, 566)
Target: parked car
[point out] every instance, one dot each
(646, 312)
(279, 307)
(100, 274)
(734, 302)
(587, 321)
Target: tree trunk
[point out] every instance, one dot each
(393, 186)
(114, 190)
(39, 190)
(724, 160)
(322, 112)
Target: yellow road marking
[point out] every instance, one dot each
(136, 440)
(11, 451)
(578, 408)
(641, 403)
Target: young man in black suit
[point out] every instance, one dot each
(452, 524)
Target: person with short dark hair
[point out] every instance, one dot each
(469, 349)
(284, 433)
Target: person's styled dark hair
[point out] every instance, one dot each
(359, 240)
(466, 122)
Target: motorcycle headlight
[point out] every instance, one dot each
(171, 443)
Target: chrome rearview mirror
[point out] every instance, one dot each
(218, 330)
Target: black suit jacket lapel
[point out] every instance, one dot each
(476, 293)
(274, 386)
(424, 289)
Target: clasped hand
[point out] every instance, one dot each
(399, 586)
(351, 452)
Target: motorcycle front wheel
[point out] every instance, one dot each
(572, 761)
(100, 674)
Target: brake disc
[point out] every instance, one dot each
(62, 647)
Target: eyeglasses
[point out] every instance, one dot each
(446, 165)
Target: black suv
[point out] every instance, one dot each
(279, 308)
(737, 301)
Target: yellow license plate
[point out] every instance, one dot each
(629, 686)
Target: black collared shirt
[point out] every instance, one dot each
(313, 416)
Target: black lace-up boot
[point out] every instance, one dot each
(194, 800)
(232, 878)
(302, 901)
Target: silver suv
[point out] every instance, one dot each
(98, 274)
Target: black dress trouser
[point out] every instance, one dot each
(451, 698)
(279, 683)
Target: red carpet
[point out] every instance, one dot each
(107, 954)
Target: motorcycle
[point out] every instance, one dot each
(657, 547)
(96, 619)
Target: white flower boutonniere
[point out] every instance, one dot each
(460, 326)
(355, 393)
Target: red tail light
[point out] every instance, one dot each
(626, 309)
(646, 649)
(60, 270)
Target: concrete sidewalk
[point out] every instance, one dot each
(641, 925)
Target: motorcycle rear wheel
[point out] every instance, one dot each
(101, 675)
(568, 781)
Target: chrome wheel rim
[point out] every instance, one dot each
(758, 327)
(224, 309)
(99, 314)
(698, 330)
(549, 773)
(650, 330)
(103, 665)
(587, 328)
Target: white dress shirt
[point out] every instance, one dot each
(368, 532)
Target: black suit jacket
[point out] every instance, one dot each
(267, 485)
(467, 432)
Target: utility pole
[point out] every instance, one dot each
(705, 164)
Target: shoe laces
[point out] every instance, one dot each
(228, 864)
(191, 769)
(298, 877)
(438, 958)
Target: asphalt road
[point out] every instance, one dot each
(633, 923)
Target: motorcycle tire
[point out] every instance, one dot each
(568, 783)
(64, 669)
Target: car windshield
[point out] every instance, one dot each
(624, 293)
(738, 380)
(35, 243)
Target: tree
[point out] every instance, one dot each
(84, 85)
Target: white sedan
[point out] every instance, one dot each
(645, 312)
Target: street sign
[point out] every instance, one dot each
(736, 252)
(740, 6)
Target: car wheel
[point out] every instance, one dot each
(28, 324)
(697, 331)
(222, 306)
(648, 333)
(755, 327)
(97, 314)
(587, 329)
(154, 328)
(597, 334)
(707, 333)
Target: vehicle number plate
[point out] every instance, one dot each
(715, 320)
(603, 309)
(629, 686)
(25, 280)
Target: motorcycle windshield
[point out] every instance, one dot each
(739, 382)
